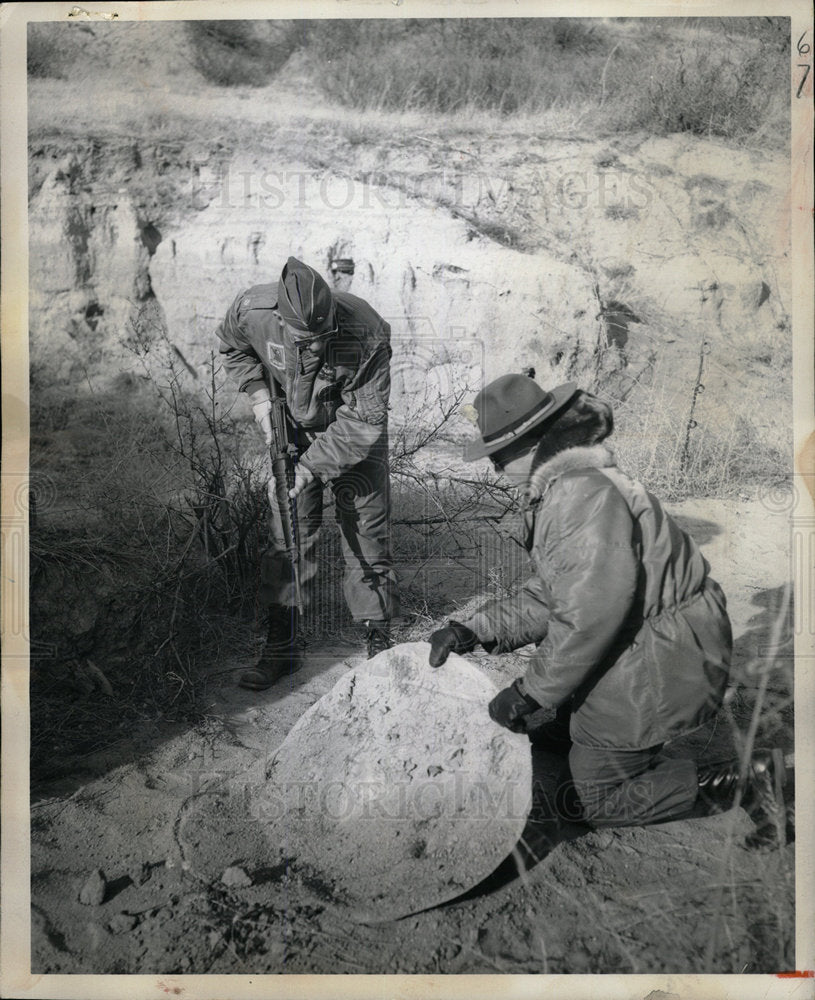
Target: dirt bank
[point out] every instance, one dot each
(632, 243)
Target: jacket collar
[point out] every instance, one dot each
(596, 456)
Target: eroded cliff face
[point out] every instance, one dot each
(89, 251)
(458, 303)
(522, 259)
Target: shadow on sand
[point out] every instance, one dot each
(543, 832)
(767, 642)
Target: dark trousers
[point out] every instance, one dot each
(362, 505)
(626, 787)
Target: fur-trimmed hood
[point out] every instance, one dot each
(595, 456)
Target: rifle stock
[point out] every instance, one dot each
(281, 453)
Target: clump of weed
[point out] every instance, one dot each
(622, 212)
(706, 85)
(445, 65)
(674, 440)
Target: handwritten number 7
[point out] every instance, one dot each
(806, 68)
(804, 48)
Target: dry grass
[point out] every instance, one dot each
(725, 455)
(562, 76)
(658, 76)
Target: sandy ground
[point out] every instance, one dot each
(115, 886)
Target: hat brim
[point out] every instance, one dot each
(560, 396)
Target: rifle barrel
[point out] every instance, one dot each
(283, 475)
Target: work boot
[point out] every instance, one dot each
(282, 653)
(762, 795)
(377, 637)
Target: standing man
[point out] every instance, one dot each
(329, 355)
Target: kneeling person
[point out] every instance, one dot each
(633, 637)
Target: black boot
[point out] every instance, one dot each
(762, 794)
(282, 653)
(377, 637)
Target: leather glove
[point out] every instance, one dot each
(509, 707)
(454, 638)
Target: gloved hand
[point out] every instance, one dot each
(454, 638)
(262, 408)
(302, 477)
(509, 707)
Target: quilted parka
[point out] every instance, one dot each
(630, 629)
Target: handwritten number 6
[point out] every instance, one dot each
(803, 50)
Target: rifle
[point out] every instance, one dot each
(282, 452)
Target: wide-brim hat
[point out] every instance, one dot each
(511, 406)
(304, 300)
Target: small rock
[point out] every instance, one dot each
(97, 936)
(93, 891)
(141, 872)
(593, 945)
(236, 876)
(500, 945)
(122, 923)
(604, 839)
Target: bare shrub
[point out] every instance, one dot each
(700, 89)
(241, 53)
(147, 563)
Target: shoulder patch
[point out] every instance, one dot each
(276, 355)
